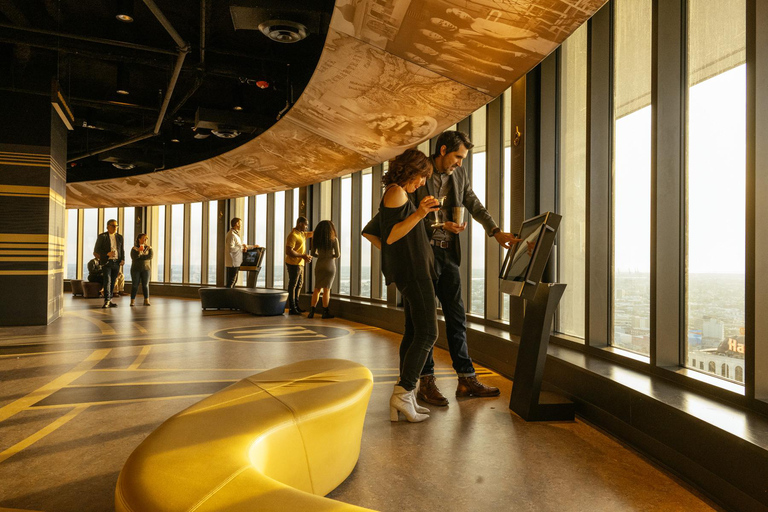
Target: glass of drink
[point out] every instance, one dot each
(439, 222)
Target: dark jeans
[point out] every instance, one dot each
(448, 290)
(139, 276)
(295, 280)
(111, 269)
(232, 276)
(420, 329)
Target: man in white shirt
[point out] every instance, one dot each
(109, 250)
(233, 255)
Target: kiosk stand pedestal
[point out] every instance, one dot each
(253, 276)
(527, 399)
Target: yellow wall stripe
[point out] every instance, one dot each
(31, 155)
(32, 252)
(24, 164)
(13, 450)
(29, 258)
(24, 189)
(31, 272)
(32, 238)
(55, 385)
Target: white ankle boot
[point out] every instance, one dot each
(403, 401)
(415, 392)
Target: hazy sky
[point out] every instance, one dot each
(716, 179)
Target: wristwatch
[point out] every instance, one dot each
(494, 231)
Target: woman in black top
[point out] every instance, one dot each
(407, 261)
(141, 264)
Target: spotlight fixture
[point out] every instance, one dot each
(202, 133)
(175, 133)
(225, 132)
(283, 31)
(124, 166)
(124, 11)
(123, 79)
(240, 95)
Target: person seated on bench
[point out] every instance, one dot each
(95, 271)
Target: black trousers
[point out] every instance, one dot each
(420, 329)
(232, 276)
(295, 280)
(448, 291)
(111, 269)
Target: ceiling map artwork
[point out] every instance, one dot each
(392, 74)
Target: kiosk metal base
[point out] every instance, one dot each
(527, 399)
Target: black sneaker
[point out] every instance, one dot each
(112, 304)
(106, 304)
(294, 312)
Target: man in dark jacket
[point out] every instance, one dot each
(109, 250)
(450, 181)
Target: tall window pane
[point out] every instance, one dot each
(129, 238)
(573, 181)
(632, 175)
(279, 249)
(195, 242)
(177, 242)
(507, 181)
(213, 216)
(158, 244)
(345, 235)
(716, 186)
(385, 167)
(72, 239)
(261, 233)
(110, 213)
(90, 232)
(478, 155)
(246, 202)
(295, 206)
(365, 247)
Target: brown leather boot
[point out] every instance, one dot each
(470, 386)
(429, 392)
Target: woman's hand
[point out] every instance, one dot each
(427, 205)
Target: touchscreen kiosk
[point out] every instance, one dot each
(252, 259)
(525, 261)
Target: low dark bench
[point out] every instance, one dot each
(257, 301)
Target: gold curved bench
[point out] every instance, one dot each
(276, 441)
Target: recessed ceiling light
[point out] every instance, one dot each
(123, 79)
(125, 11)
(176, 133)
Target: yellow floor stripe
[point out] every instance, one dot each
(26, 354)
(53, 386)
(127, 401)
(140, 328)
(13, 450)
(105, 327)
(140, 358)
(158, 383)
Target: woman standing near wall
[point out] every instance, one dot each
(141, 257)
(326, 251)
(408, 261)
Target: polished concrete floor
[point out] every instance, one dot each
(79, 395)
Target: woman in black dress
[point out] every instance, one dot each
(407, 261)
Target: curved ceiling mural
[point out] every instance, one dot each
(392, 74)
